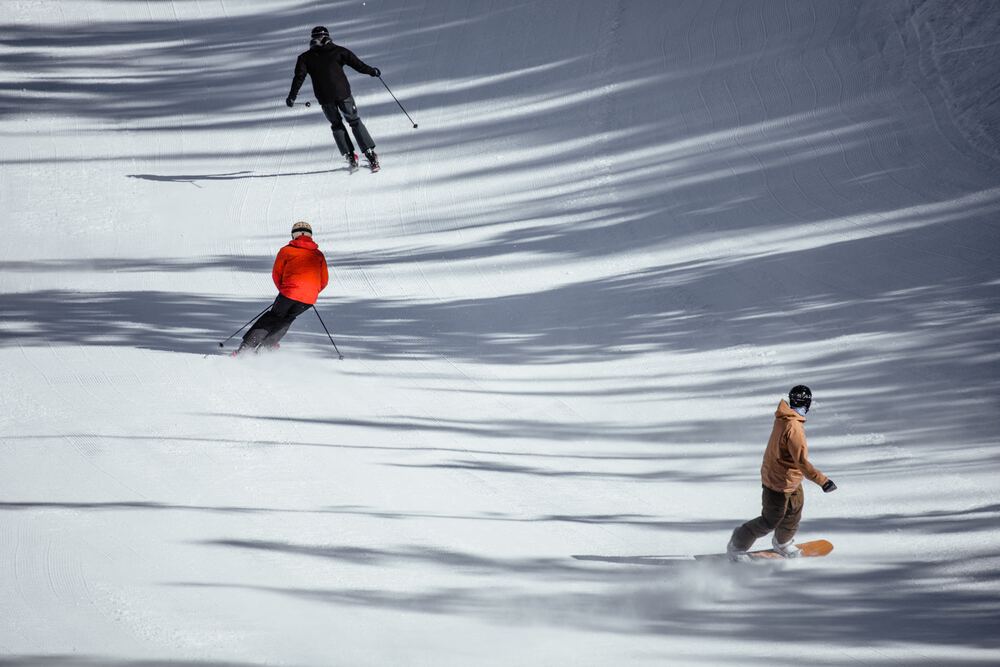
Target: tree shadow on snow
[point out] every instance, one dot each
(193, 179)
(151, 320)
(74, 660)
(682, 201)
(894, 603)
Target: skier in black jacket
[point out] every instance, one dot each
(324, 63)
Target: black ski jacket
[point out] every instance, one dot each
(325, 67)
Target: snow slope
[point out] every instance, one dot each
(569, 304)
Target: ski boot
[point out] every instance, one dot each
(241, 350)
(372, 160)
(352, 161)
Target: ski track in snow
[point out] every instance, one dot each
(568, 305)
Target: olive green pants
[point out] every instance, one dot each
(780, 512)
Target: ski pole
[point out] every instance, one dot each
(397, 101)
(327, 332)
(223, 343)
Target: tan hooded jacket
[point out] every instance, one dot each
(786, 459)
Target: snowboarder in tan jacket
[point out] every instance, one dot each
(786, 463)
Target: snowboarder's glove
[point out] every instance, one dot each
(376, 71)
(289, 101)
(829, 486)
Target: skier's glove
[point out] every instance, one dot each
(376, 71)
(289, 101)
(829, 486)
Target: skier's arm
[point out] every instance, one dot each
(797, 450)
(298, 78)
(356, 63)
(324, 276)
(279, 268)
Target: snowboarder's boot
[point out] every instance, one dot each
(352, 160)
(788, 549)
(372, 160)
(736, 555)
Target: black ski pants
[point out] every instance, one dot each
(270, 327)
(349, 110)
(780, 512)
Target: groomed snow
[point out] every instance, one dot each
(569, 304)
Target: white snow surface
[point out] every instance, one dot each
(569, 304)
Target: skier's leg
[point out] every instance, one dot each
(266, 323)
(789, 524)
(253, 338)
(350, 112)
(344, 144)
(772, 512)
(295, 308)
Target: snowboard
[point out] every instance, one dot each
(813, 549)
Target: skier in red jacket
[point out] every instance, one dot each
(300, 274)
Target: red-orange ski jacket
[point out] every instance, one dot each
(300, 271)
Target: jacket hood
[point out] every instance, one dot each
(785, 411)
(305, 241)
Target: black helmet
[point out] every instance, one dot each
(320, 37)
(800, 396)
